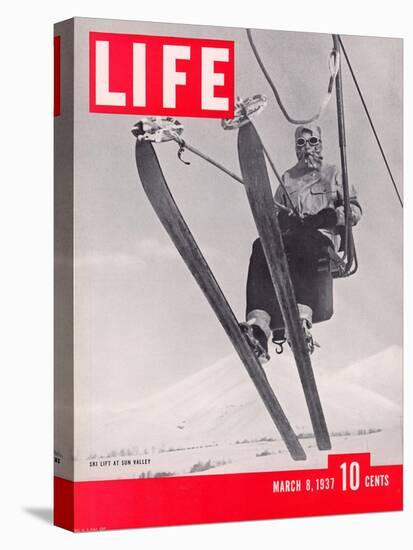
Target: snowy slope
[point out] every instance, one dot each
(380, 373)
(220, 404)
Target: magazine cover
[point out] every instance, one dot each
(228, 274)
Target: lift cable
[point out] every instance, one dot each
(371, 122)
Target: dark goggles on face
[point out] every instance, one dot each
(313, 141)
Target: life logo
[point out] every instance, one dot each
(161, 75)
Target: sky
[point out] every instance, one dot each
(141, 322)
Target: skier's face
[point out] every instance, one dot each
(308, 148)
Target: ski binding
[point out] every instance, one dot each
(257, 348)
(244, 110)
(157, 129)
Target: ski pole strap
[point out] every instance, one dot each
(334, 64)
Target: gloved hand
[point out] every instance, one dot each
(289, 221)
(341, 219)
(354, 216)
(325, 219)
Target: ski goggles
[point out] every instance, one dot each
(313, 141)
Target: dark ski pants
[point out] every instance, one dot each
(303, 251)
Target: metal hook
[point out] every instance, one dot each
(181, 150)
(279, 348)
(279, 345)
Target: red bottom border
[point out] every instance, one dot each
(348, 485)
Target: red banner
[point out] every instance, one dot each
(349, 485)
(161, 75)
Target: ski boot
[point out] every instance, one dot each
(258, 341)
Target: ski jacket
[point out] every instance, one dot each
(314, 190)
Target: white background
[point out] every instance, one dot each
(26, 337)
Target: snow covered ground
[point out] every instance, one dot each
(214, 422)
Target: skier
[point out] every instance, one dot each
(310, 212)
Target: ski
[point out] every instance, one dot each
(161, 199)
(259, 193)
